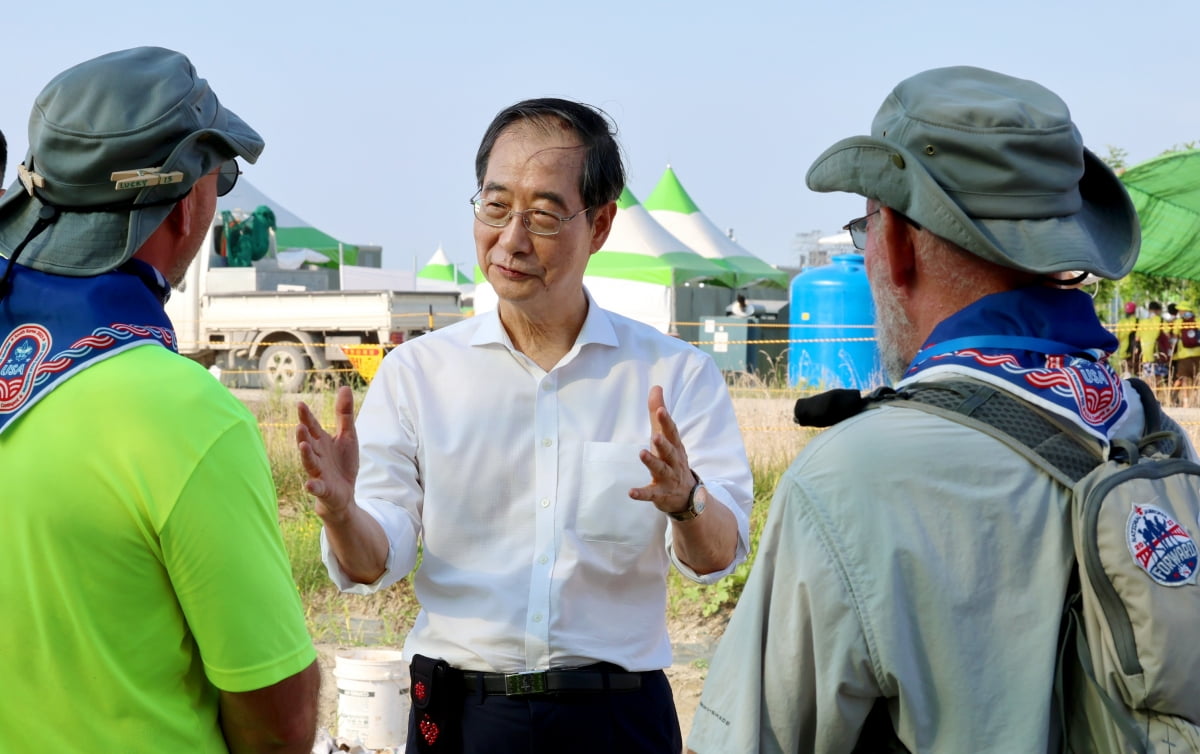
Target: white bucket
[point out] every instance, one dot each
(372, 686)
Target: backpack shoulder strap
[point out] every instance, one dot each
(1150, 406)
(1046, 440)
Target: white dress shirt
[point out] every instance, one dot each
(516, 480)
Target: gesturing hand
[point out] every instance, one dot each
(331, 461)
(671, 477)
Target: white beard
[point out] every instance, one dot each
(892, 324)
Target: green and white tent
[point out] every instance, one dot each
(291, 233)
(1166, 193)
(641, 272)
(439, 273)
(674, 209)
(645, 273)
(640, 249)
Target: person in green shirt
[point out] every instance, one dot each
(149, 603)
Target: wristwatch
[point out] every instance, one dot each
(695, 503)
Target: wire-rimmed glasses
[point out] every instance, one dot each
(540, 222)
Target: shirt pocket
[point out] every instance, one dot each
(606, 512)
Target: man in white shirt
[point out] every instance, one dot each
(552, 458)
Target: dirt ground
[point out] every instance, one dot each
(693, 641)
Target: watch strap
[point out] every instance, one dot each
(690, 511)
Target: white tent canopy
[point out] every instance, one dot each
(440, 274)
(674, 209)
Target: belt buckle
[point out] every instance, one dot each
(518, 684)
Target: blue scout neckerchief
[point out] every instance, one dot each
(54, 326)
(1044, 344)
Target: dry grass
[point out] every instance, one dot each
(764, 417)
(332, 616)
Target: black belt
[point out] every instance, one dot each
(587, 679)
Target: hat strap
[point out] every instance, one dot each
(46, 217)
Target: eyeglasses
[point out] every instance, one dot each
(540, 222)
(858, 230)
(227, 177)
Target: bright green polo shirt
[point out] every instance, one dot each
(143, 563)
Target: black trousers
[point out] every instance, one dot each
(614, 722)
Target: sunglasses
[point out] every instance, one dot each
(227, 177)
(858, 228)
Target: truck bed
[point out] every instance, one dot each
(331, 310)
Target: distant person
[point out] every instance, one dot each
(1154, 345)
(1172, 342)
(148, 601)
(741, 308)
(911, 576)
(1186, 359)
(1127, 344)
(552, 459)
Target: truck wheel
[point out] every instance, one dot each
(283, 366)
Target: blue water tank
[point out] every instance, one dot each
(832, 328)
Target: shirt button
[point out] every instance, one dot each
(547, 442)
(543, 560)
(547, 386)
(537, 618)
(545, 502)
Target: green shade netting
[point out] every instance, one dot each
(1166, 193)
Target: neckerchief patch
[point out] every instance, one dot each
(53, 327)
(1043, 344)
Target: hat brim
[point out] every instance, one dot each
(80, 244)
(1102, 238)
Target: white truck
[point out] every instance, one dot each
(264, 326)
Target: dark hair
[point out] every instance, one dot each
(3, 157)
(603, 174)
(1155, 306)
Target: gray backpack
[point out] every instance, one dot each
(1128, 675)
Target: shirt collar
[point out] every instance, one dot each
(597, 328)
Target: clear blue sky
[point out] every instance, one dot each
(372, 111)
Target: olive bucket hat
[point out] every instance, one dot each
(114, 143)
(994, 164)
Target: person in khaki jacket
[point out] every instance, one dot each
(910, 578)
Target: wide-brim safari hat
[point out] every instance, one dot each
(114, 142)
(995, 165)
